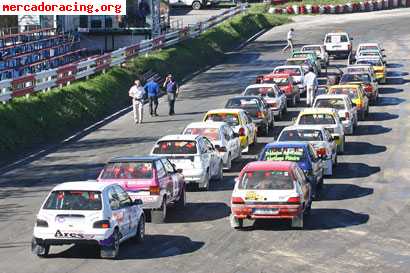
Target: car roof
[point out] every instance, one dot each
(246, 97)
(224, 110)
(332, 96)
(263, 84)
(179, 137)
(315, 45)
(345, 86)
(90, 185)
(289, 66)
(317, 110)
(279, 75)
(368, 44)
(337, 33)
(143, 158)
(206, 124)
(289, 144)
(297, 58)
(304, 126)
(269, 166)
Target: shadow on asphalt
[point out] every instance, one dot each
(390, 90)
(153, 247)
(381, 116)
(334, 192)
(363, 130)
(318, 219)
(393, 65)
(199, 212)
(387, 101)
(362, 148)
(353, 170)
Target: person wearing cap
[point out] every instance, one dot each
(311, 86)
(137, 93)
(289, 38)
(172, 89)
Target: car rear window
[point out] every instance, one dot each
(230, 118)
(211, 133)
(375, 62)
(266, 180)
(357, 69)
(242, 103)
(362, 77)
(317, 119)
(296, 62)
(127, 170)
(336, 38)
(301, 135)
(289, 71)
(312, 48)
(74, 200)
(338, 104)
(260, 91)
(351, 92)
(295, 154)
(175, 147)
(281, 81)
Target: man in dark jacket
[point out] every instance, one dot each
(152, 89)
(172, 89)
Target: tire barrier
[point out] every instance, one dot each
(365, 6)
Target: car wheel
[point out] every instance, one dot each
(158, 216)
(39, 250)
(229, 162)
(182, 199)
(362, 115)
(235, 222)
(116, 244)
(266, 130)
(139, 236)
(207, 183)
(298, 98)
(297, 222)
(196, 5)
(220, 175)
(285, 109)
(335, 163)
(294, 101)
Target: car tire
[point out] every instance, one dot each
(297, 222)
(362, 115)
(115, 246)
(285, 109)
(229, 162)
(139, 236)
(182, 199)
(220, 175)
(39, 250)
(266, 130)
(235, 222)
(335, 163)
(206, 186)
(196, 5)
(159, 216)
(294, 101)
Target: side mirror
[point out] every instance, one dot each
(382, 50)
(351, 39)
(173, 165)
(336, 137)
(137, 202)
(179, 170)
(354, 104)
(235, 135)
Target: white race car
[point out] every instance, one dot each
(88, 213)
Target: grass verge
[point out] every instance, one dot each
(48, 117)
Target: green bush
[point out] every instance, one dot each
(49, 116)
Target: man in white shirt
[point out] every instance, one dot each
(137, 93)
(290, 37)
(311, 86)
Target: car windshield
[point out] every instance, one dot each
(296, 62)
(318, 119)
(281, 81)
(211, 133)
(375, 62)
(369, 53)
(289, 71)
(301, 135)
(230, 118)
(368, 47)
(357, 69)
(351, 92)
(74, 200)
(260, 91)
(265, 180)
(322, 81)
(127, 170)
(355, 78)
(312, 48)
(338, 104)
(302, 54)
(175, 147)
(294, 154)
(243, 103)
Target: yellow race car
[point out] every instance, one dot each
(239, 121)
(356, 94)
(378, 66)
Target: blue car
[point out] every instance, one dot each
(301, 152)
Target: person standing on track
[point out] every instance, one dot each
(152, 89)
(137, 93)
(290, 37)
(311, 86)
(172, 89)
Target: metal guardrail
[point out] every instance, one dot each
(65, 75)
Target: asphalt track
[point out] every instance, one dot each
(362, 223)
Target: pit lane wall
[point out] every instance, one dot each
(341, 8)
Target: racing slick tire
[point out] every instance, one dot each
(139, 236)
(113, 251)
(220, 175)
(196, 5)
(159, 216)
(297, 222)
(206, 185)
(41, 250)
(235, 222)
(182, 199)
(228, 165)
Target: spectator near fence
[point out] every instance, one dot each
(137, 93)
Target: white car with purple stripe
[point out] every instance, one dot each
(88, 213)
